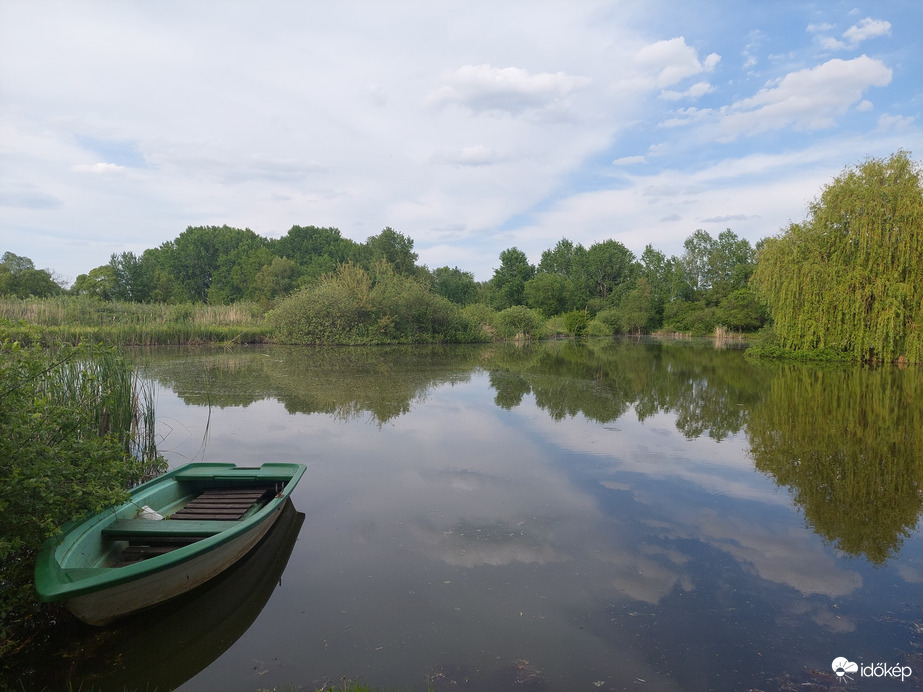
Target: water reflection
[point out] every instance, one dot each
(564, 514)
(846, 441)
(162, 648)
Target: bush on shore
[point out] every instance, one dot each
(76, 430)
(357, 306)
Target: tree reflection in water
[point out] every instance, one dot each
(847, 441)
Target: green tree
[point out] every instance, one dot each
(509, 280)
(730, 265)
(454, 284)
(393, 247)
(564, 259)
(550, 294)
(357, 306)
(16, 264)
(273, 280)
(576, 322)
(518, 321)
(664, 276)
(697, 250)
(19, 277)
(100, 282)
(37, 283)
(237, 270)
(637, 312)
(850, 277)
(199, 252)
(606, 267)
(741, 310)
(132, 277)
(316, 251)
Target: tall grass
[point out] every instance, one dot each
(73, 320)
(76, 431)
(102, 383)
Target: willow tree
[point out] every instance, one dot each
(850, 277)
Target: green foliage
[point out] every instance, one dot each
(101, 282)
(565, 259)
(20, 278)
(274, 280)
(483, 318)
(850, 277)
(858, 478)
(455, 285)
(509, 280)
(691, 317)
(607, 322)
(741, 310)
(637, 312)
(394, 248)
(520, 322)
(76, 430)
(355, 306)
(315, 251)
(73, 320)
(576, 322)
(596, 327)
(550, 294)
(606, 267)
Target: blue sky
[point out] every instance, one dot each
(469, 126)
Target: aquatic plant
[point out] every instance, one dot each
(76, 430)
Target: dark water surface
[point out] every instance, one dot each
(601, 516)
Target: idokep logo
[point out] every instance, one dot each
(841, 666)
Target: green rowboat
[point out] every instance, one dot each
(117, 562)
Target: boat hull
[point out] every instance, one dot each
(102, 607)
(114, 563)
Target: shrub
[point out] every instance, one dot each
(356, 306)
(71, 423)
(576, 322)
(597, 327)
(519, 321)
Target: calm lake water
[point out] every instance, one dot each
(560, 517)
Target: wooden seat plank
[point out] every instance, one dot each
(221, 503)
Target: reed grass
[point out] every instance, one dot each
(102, 383)
(74, 320)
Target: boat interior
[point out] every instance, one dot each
(187, 519)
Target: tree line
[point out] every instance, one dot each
(846, 280)
(707, 285)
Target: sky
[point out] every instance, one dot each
(470, 127)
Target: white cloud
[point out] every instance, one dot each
(830, 43)
(98, 168)
(695, 91)
(28, 197)
(628, 160)
(894, 122)
(808, 99)
(673, 60)
(476, 155)
(484, 88)
(866, 29)
(505, 125)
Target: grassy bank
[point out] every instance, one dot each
(352, 306)
(76, 430)
(74, 320)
